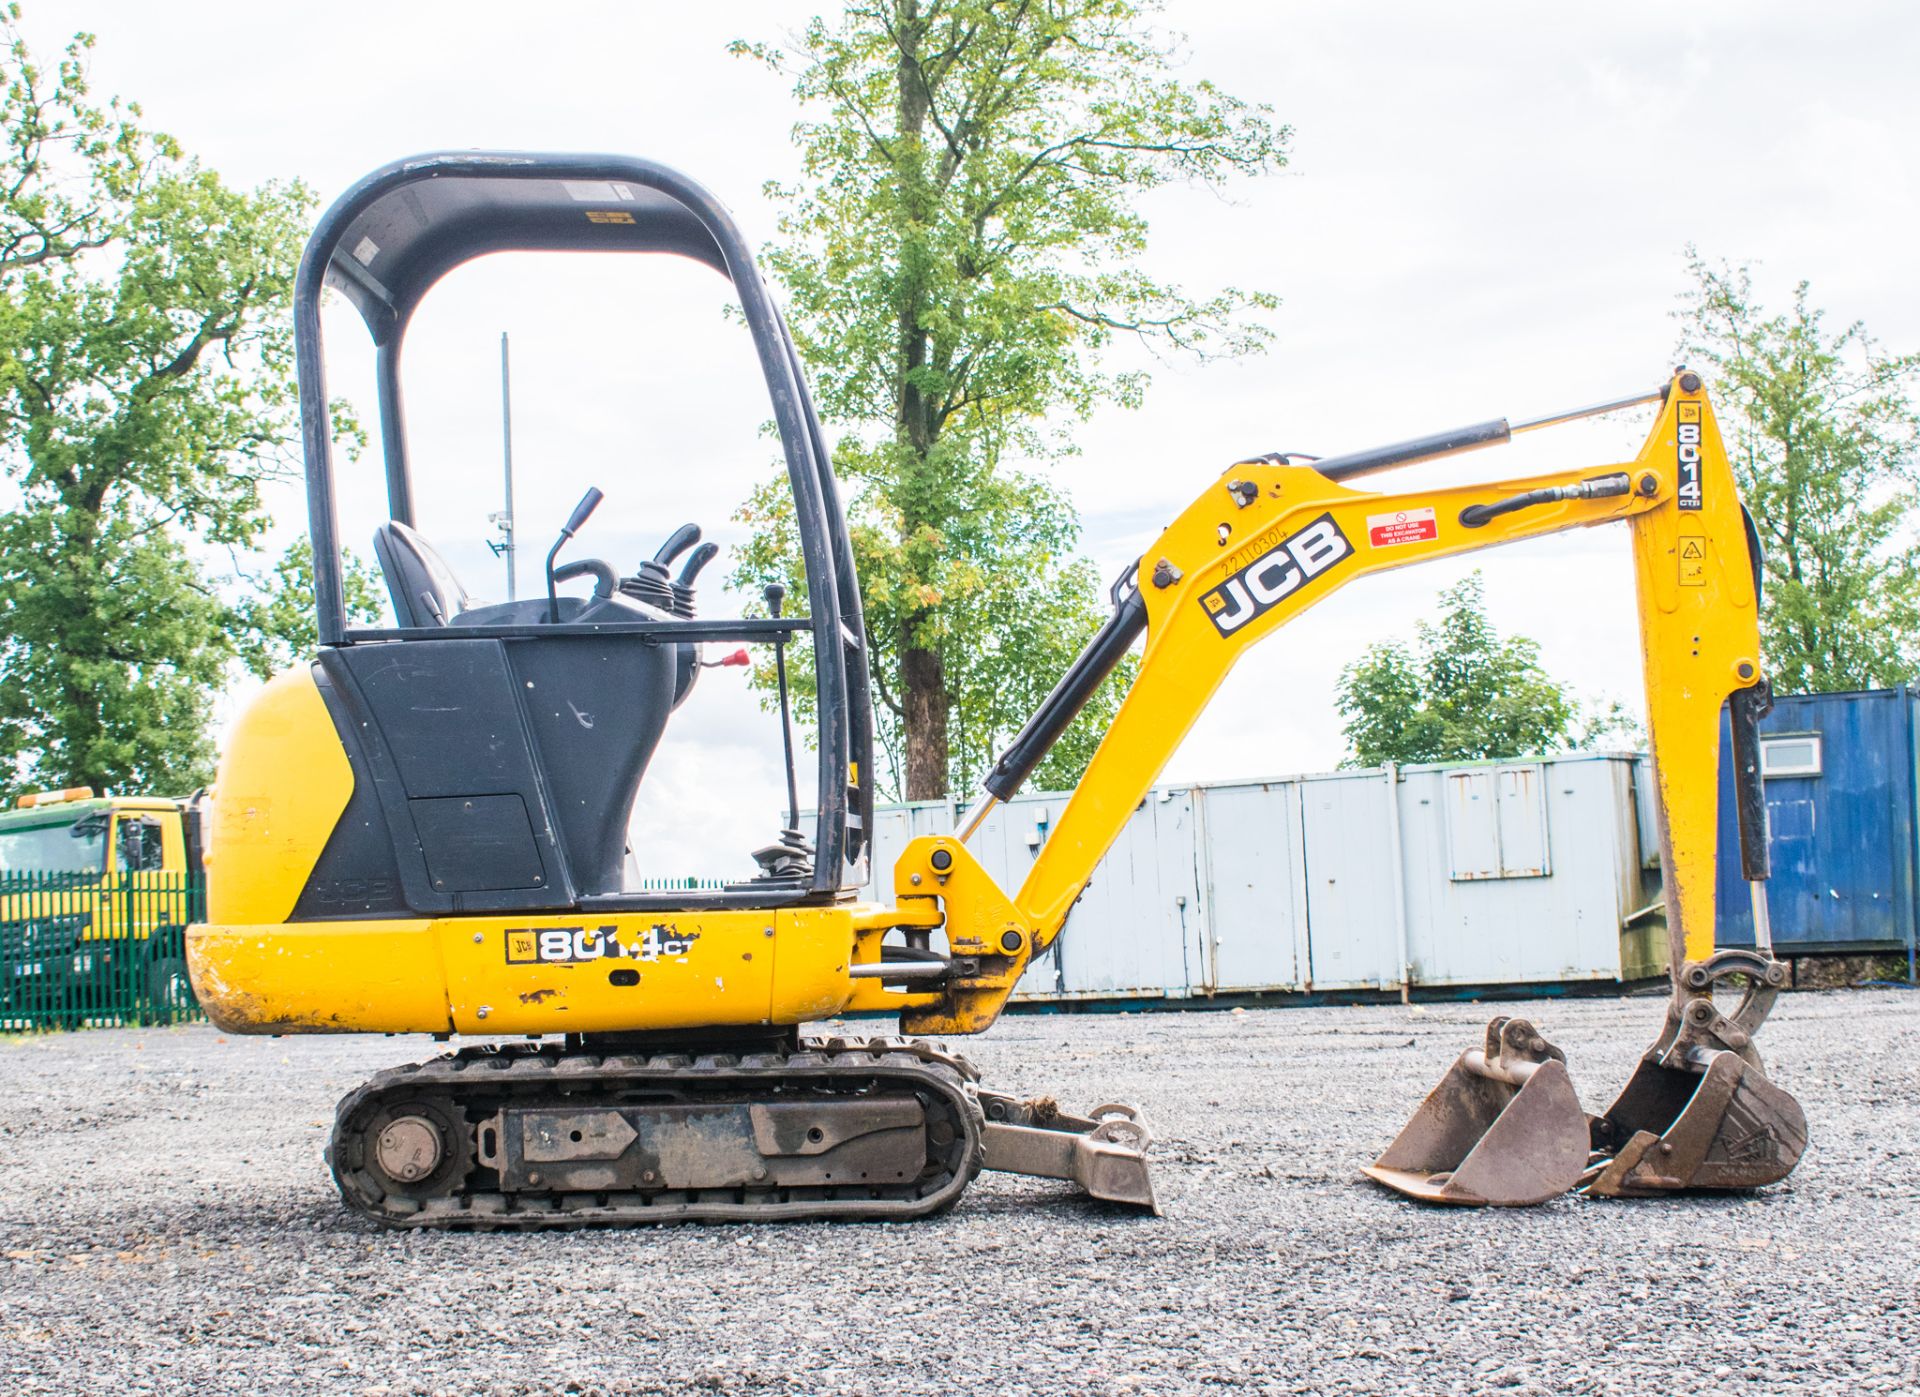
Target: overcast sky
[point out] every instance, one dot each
(1485, 215)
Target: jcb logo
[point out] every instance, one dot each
(1689, 462)
(1276, 574)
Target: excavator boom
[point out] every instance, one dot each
(1270, 538)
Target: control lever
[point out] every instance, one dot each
(678, 542)
(697, 563)
(790, 857)
(605, 579)
(683, 584)
(575, 521)
(654, 585)
(775, 595)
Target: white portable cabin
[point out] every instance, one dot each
(1529, 872)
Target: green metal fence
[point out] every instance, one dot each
(90, 950)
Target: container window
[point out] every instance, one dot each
(1523, 821)
(1473, 826)
(1790, 754)
(1497, 823)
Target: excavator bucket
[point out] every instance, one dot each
(1699, 1111)
(1503, 1129)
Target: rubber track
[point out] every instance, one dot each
(481, 1080)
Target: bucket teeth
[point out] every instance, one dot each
(1503, 1128)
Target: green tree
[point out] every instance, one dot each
(964, 245)
(1821, 428)
(1463, 692)
(145, 397)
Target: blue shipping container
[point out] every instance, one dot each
(1839, 775)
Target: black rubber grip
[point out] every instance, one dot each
(1400, 452)
(696, 560)
(605, 579)
(678, 542)
(1103, 653)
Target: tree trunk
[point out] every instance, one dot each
(923, 685)
(925, 700)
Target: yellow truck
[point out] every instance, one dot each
(95, 896)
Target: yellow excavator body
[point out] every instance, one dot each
(423, 830)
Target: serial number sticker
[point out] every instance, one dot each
(1402, 526)
(573, 945)
(1693, 560)
(1691, 492)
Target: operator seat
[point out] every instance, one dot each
(424, 590)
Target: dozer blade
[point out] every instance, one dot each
(1699, 1111)
(1503, 1129)
(1105, 1151)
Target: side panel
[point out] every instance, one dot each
(526, 974)
(1256, 887)
(284, 781)
(320, 977)
(1529, 925)
(1137, 928)
(1349, 886)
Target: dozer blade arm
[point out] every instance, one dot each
(1268, 540)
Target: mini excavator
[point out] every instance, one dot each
(425, 828)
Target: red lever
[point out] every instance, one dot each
(738, 657)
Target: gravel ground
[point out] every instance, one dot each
(167, 1224)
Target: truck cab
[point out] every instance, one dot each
(95, 896)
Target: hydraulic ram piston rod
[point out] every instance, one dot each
(1379, 458)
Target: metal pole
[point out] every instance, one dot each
(1399, 882)
(976, 816)
(1762, 920)
(1911, 803)
(1590, 410)
(506, 451)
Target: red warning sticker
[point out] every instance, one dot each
(1403, 526)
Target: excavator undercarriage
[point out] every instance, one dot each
(606, 1132)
